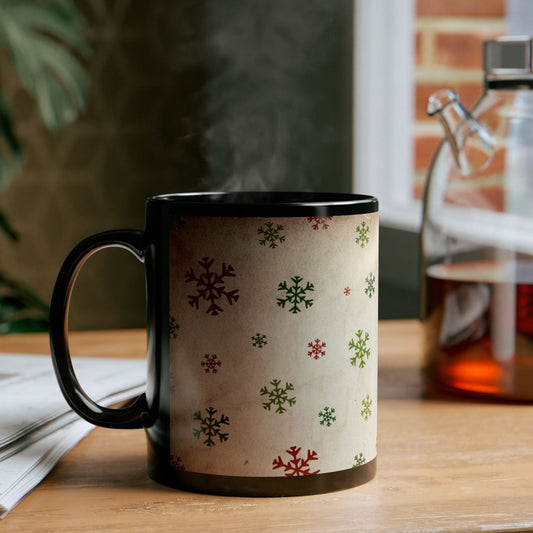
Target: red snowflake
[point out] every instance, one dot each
(317, 349)
(297, 466)
(347, 291)
(210, 286)
(317, 222)
(176, 462)
(210, 363)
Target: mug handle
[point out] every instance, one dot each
(135, 415)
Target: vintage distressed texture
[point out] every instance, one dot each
(273, 361)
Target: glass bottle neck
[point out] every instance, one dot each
(495, 82)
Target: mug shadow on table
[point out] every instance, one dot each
(110, 468)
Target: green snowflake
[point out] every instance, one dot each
(295, 294)
(259, 340)
(327, 416)
(210, 426)
(362, 234)
(173, 328)
(271, 235)
(359, 460)
(278, 396)
(366, 411)
(362, 352)
(370, 288)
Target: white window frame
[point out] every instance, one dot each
(384, 109)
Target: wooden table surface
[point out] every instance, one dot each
(443, 465)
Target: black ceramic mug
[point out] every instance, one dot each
(262, 341)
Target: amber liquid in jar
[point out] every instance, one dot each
(479, 328)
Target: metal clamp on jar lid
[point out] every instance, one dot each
(508, 62)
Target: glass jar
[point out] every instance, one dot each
(477, 234)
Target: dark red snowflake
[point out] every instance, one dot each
(210, 363)
(296, 466)
(319, 222)
(317, 349)
(211, 286)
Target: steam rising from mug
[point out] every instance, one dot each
(271, 99)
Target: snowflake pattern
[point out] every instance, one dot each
(317, 349)
(177, 222)
(362, 238)
(210, 286)
(370, 288)
(318, 222)
(366, 411)
(327, 416)
(171, 384)
(359, 460)
(259, 340)
(176, 462)
(295, 294)
(210, 363)
(210, 290)
(362, 352)
(296, 466)
(210, 426)
(173, 328)
(271, 235)
(278, 396)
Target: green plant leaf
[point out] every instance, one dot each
(24, 325)
(21, 310)
(40, 37)
(11, 157)
(58, 18)
(6, 226)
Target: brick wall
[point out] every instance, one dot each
(449, 37)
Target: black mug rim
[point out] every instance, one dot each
(267, 203)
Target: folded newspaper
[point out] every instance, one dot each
(37, 427)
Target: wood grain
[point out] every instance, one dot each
(443, 465)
